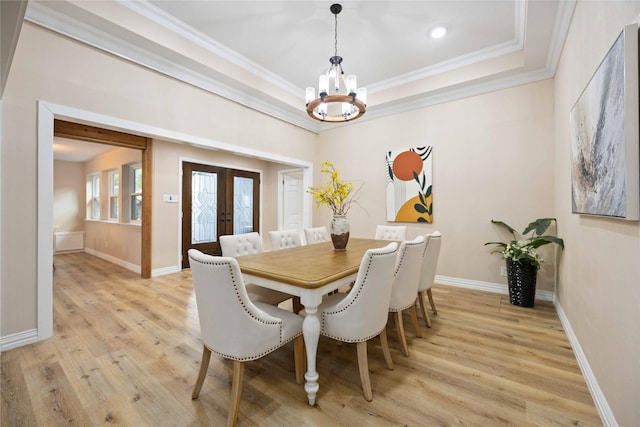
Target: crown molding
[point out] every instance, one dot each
(115, 40)
(560, 31)
(162, 18)
(39, 14)
(490, 52)
(461, 92)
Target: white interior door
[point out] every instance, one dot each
(292, 194)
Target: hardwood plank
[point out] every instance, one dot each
(16, 409)
(53, 397)
(126, 351)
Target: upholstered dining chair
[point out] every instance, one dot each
(235, 327)
(234, 245)
(429, 264)
(391, 232)
(405, 286)
(316, 235)
(361, 314)
(283, 239)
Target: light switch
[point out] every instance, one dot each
(170, 198)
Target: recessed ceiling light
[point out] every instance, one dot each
(438, 32)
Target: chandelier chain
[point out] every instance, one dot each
(335, 34)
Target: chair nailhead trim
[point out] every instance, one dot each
(246, 309)
(359, 290)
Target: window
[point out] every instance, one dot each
(114, 192)
(135, 185)
(93, 196)
(115, 195)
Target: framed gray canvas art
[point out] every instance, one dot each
(605, 136)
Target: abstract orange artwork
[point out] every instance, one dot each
(409, 189)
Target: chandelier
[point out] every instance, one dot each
(332, 105)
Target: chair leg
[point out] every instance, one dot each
(363, 366)
(424, 309)
(385, 349)
(401, 336)
(298, 358)
(414, 320)
(202, 373)
(433, 306)
(297, 305)
(236, 393)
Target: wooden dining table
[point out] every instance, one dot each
(309, 272)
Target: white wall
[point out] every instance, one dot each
(599, 283)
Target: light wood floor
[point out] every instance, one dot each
(126, 351)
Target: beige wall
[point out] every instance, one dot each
(68, 196)
(502, 155)
(118, 240)
(166, 216)
(599, 283)
(52, 68)
(492, 158)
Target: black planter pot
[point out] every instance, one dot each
(522, 283)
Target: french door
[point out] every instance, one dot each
(216, 201)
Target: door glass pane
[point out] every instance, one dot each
(204, 207)
(242, 205)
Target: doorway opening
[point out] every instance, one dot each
(93, 134)
(291, 200)
(47, 113)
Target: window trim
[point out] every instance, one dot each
(132, 193)
(93, 181)
(111, 174)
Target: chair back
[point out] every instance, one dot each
(391, 232)
(316, 235)
(284, 239)
(230, 323)
(234, 245)
(430, 260)
(407, 274)
(363, 313)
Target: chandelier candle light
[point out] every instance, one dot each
(332, 105)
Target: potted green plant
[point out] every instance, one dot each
(523, 259)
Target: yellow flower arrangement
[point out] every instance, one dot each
(337, 194)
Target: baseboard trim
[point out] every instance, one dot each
(487, 286)
(602, 406)
(18, 339)
(165, 270)
(114, 260)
